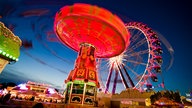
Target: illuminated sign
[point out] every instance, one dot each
(80, 73)
(91, 75)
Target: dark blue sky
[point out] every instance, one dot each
(171, 19)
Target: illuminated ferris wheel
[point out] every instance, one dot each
(138, 66)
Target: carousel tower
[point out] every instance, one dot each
(93, 32)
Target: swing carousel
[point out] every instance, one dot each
(93, 32)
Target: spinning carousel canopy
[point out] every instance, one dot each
(83, 23)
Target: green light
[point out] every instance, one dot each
(4, 53)
(10, 56)
(7, 55)
(14, 58)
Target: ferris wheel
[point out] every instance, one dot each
(138, 66)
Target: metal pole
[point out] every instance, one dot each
(84, 93)
(109, 78)
(129, 78)
(70, 92)
(115, 81)
(122, 77)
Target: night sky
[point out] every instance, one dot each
(49, 61)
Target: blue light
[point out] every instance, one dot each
(23, 86)
(51, 90)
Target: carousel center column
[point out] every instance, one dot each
(82, 82)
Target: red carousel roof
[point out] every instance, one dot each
(83, 23)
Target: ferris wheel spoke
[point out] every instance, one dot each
(101, 66)
(129, 68)
(135, 36)
(138, 53)
(135, 76)
(138, 44)
(135, 62)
